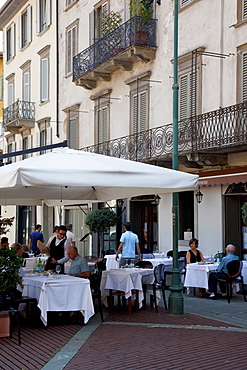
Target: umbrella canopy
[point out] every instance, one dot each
(73, 176)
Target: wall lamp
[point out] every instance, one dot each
(199, 196)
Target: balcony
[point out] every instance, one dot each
(134, 40)
(18, 115)
(205, 139)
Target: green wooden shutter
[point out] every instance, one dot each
(244, 76)
(184, 97)
(143, 111)
(103, 124)
(44, 79)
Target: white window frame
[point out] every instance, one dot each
(102, 122)
(10, 42)
(25, 27)
(71, 46)
(139, 111)
(43, 8)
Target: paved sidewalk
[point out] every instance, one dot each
(208, 336)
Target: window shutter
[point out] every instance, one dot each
(74, 42)
(92, 28)
(49, 136)
(135, 114)
(48, 12)
(102, 124)
(29, 145)
(73, 133)
(244, 76)
(37, 16)
(44, 80)
(20, 32)
(69, 46)
(143, 111)
(10, 94)
(184, 98)
(37, 142)
(12, 36)
(29, 24)
(26, 77)
(193, 94)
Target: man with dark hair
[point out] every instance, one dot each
(129, 242)
(33, 238)
(58, 245)
(79, 266)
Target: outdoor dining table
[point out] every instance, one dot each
(125, 280)
(59, 293)
(197, 274)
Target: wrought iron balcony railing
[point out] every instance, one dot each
(137, 31)
(213, 131)
(19, 110)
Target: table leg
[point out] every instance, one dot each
(129, 305)
(110, 301)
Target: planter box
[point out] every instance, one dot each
(187, 235)
(4, 326)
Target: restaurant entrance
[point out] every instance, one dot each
(144, 220)
(235, 197)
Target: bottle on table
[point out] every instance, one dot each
(218, 257)
(39, 266)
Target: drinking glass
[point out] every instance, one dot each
(58, 269)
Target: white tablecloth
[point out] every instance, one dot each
(197, 274)
(111, 263)
(66, 293)
(125, 280)
(244, 271)
(157, 261)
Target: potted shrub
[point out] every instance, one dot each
(99, 221)
(9, 279)
(142, 11)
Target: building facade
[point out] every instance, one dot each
(109, 90)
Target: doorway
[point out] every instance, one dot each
(144, 220)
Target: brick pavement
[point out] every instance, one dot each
(147, 340)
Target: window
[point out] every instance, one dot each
(73, 129)
(187, 96)
(184, 3)
(71, 47)
(11, 92)
(44, 135)
(102, 116)
(43, 15)
(244, 77)
(70, 2)
(10, 42)
(25, 27)
(139, 111)
(244, 9)
(95, 18)
(44, 79)
(11, 147)
(27, 144)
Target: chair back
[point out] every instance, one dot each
(101, 265)
(182, 254)
(95, 279)
(182, 264)
(234, 268)
(31, 263)
(144, 264)
(169, 253)
(159, 273)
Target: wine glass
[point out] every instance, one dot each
(58, 269)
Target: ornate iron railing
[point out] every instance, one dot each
(136, 31)
(221, 128)
(19, 110)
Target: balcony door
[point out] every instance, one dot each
(26, 95)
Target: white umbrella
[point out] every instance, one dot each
(73, 176)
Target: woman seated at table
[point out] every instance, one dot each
(194, 255)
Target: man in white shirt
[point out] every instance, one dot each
(70, 235)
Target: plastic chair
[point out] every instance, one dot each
(144, 264)
(236, 279)
(95, 279)
(169, 253)
(101, 265)
(15, 302)
(158, 284)
(182, 254)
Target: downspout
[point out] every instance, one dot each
(57, 71)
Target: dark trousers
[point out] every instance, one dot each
(213, 280)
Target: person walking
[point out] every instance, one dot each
(70, 235)
(129, 243)
(33, 238)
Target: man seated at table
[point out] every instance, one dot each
(79, 266)
(221, 273)
(58, 245)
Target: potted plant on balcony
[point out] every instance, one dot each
(99, 221)
(109, 24)
(142, 11)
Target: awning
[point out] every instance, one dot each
(224, 179)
